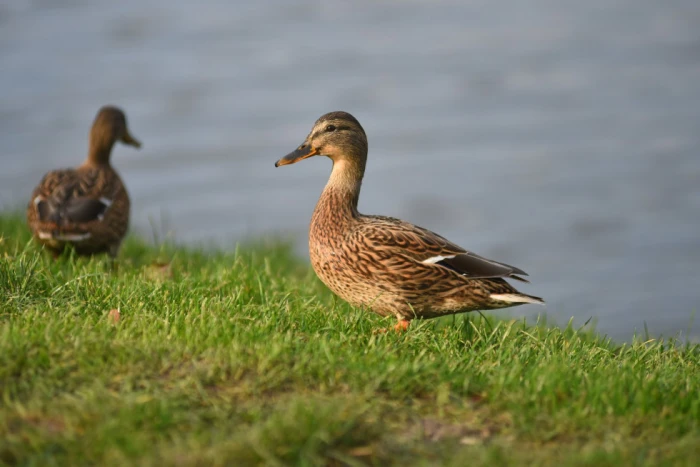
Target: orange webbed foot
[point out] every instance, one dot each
(401, 326)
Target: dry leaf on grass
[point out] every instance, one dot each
(158, 271)
(114, 315)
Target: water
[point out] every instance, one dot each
(559, 136)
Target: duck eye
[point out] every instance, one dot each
(330, 128)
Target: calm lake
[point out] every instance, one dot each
(559, 136)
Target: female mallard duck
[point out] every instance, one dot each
(386, 264)
(86, 207)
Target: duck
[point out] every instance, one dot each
(86, 208)
(384, 264)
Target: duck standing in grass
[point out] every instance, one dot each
(385, 264)
(86, 207)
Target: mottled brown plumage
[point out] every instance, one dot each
(86, 207)
(385, 264)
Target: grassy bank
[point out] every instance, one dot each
(244, 357)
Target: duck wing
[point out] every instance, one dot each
(65, 197)
(390, 235)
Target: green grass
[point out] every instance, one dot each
(244, 358)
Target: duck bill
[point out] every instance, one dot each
(303, 152)
(130, 140)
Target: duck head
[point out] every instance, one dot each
(109, 127)
(337, 135)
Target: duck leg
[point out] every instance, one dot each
(401, 326)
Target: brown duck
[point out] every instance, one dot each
(385, 264)
(86, 207)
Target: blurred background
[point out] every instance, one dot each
(556, 135)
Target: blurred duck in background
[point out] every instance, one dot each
(86, 208)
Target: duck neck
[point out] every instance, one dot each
(100, 151)
(342, 193)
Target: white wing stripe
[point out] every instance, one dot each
(65, 237)
(73, 237)
(436, 259)
(514, 298)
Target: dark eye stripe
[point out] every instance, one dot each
(336, 128)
